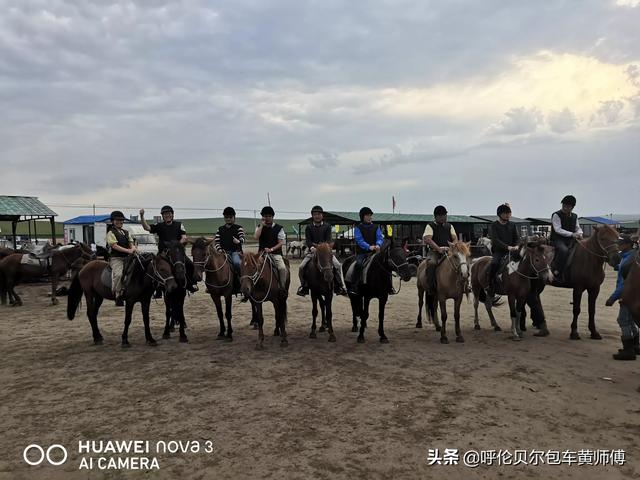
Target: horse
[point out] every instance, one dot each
(144, 273)
(517, 282)
(631, 289)
(301, 247)
(175, 254)
(217, 270)
(390, 258)
(586, 272)
(319, 275)
(452, 276)
(340, 245)
(56, 265)
(258, 282)
(4, 251)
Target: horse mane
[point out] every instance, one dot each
(200, 242)
(461, 247)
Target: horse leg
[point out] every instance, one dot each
(476, 302)
(54, 287)
(329, 316)
(323, 318)
(520, 303)
(281, 315)
(127, 321)
(420, 305)
(260, 322)
(593, 296)
(93, 304)
(514, 317)
(577, 298)
(168, 324)
(254, 317)
(144, 306)
(364, 316)
(217, 301)
(356, 311)
(456, 317)
(488, 304)
(177, 310)
(443, 315)
(228, 300)
(382, 302)
(314, 314)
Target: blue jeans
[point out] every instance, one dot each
(628, 324)
(235, 260)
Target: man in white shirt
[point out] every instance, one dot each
(565, 228)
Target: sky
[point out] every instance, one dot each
(203, 104)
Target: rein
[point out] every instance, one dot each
(255, 278)
(605, 250)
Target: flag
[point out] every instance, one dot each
(337, 228)
(393, 203)
(389, 231)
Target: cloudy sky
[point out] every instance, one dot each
(207, 103)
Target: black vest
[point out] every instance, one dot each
(226, 238)
(568, 222)
(368, 231)
(441, 233)
(123, 241)
(269, 238)
(317, 234)
(167, 233)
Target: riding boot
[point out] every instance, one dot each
(636, 344)
(355, 281)
(627, 352)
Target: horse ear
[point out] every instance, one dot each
(596, 227)
(451, 244)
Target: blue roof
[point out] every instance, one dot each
(604, 221)
(87, 219)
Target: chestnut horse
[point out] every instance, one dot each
(259, 282)
(144, 273)
(319, 275)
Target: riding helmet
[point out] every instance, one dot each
(317, 208)
(569, 200)
(117, 215)
(166, 208)
(229, 212)
(267, 211)
(439, 210)
(365, 211)
(504, 208)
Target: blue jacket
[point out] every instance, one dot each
(361, 241)
(626, 257)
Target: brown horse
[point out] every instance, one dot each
(517, 281)
(586, 272)
(217, 270)
(319, 274)
(631, 289)
(6, 251)
(259, 282)
(144, 273)
(452, 277)
(70, 257)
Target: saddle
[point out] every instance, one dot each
(39, 252)
(365, 269)
(567, 266)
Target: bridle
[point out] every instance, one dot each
(205, 263)
(167, 255)
(255, 278)
(607, 250)
(538, 272)
(156, 277)
(395, 267)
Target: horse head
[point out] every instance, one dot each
(162, 272)
(200, 254)
(175, 254)
(395, 258)
(540, 256)
(251, 266)
(324, 261)
(460, 253)
(607, 238)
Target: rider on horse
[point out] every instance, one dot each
(230, 238)
(628, 325)
(271, 238)
(121, 246)
(316, 233)
(170, 230)
(504, 239)
(437, 236)
(369, 238)
(564, 229)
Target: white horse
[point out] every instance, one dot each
(301, 247)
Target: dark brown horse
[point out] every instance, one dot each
(217, 271)
(452, 277)
(319, 275)
(6, 251)
(631, 289)
(517, 281)
(586, 272)
(259, 282)
(71, 257)
(144, 273)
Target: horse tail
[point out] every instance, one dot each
(430, 301)
(74, 297)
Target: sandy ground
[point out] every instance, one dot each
(315, 409)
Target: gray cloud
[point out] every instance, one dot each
(518, 121)
(563, 121)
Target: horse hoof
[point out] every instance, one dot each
(276, 333)
(444, 340)
(259, 346)
(284, 343)
(476, 327)
(419, 325)
(322, 329)
(55, 301)
(313, 335)
(516, 338)
(360, 339)
(152, 343)
(184, 340)
(354, 329)
(332, 338)
(99, 341)
(520, 334)
(595, 336)
(574, 336)
(166, 336)
(523, 329)
(126, 344)
(542, 333)
(220, 336)
(460, 339)
(255, 326)
(384, 340)
(438, 329)
(172, 329)
(497, 329)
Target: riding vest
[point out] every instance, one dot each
(167, 233)
(368, 231)
(568, 223)
(317, 234)
(269, 238)
(441, 233)
(226, 235)
(122, 236)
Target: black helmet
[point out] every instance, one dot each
(365, 211)
(229, 212)
(504, 208)
(439, 210)
(569, 200)
(117, 215)
(166, 208)
(267, 211)
(316, 208)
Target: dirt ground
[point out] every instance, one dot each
(316, 409)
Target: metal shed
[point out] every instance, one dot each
(16, 209)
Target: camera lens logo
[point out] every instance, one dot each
(41, 454)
